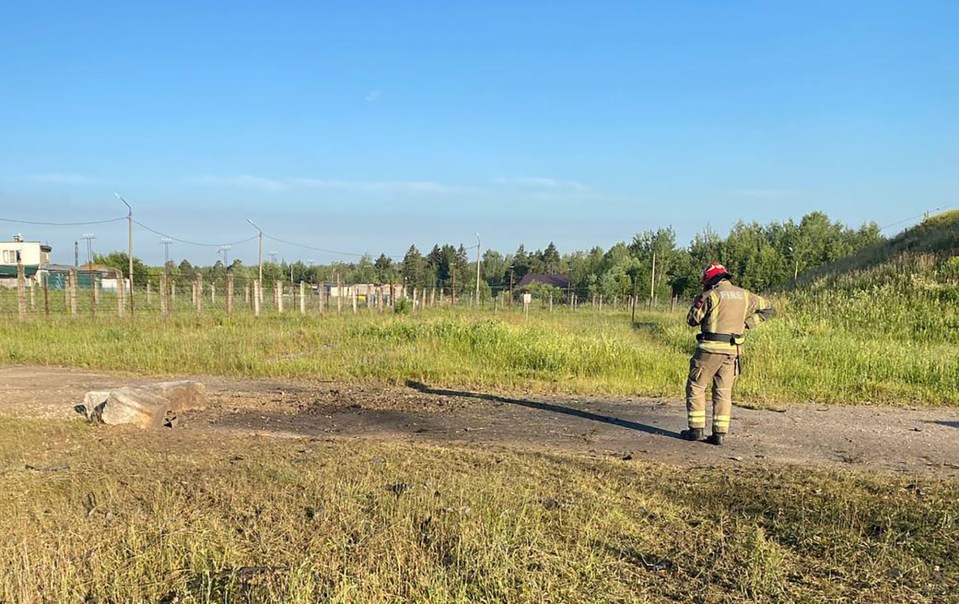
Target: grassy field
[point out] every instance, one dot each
(803, 354)
(107, 515)
(91, 515)
(881, 326)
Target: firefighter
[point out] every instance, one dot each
(724, 313)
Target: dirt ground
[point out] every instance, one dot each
(921, 440)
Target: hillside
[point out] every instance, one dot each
(923, 257)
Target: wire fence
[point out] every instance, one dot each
(82, 293)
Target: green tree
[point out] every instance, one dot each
(121, 262)
(186, 270)
(551, 259)
(494, 266)
(520, 264)
(669, 261)
(363, 271)
(385, 270)
(414, 269)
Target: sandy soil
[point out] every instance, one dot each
(921, 440)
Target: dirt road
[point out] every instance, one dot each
(910, 440)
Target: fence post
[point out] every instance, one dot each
(72, 291)
(21, 289)
(213, 295)
(46, 295)
(121, 290)
(149, 293)
(353, 296)
(278, 293)
(164, 283)
(198, 292)
(256, 298)
(339, 293)
(302, 297)
(96, 294)
(229, 294)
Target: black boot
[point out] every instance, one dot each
(692, 434)
(716, 438)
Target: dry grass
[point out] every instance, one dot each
(190, 517)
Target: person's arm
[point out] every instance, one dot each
(759, 310)
(698, 310)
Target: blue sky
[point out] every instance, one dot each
(369, 126)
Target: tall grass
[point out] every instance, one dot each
(805, 353)
(123, 516)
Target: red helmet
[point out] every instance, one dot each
(712, 271)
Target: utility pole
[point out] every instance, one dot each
(129, 246)
(165, 242)
(795, 262)
(89, 237)
(477, 268)
(226, 254)
(652, 282)
(511, 285)
(260, 257)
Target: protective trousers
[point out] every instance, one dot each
(721, 370)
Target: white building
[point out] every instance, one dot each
(34, 255)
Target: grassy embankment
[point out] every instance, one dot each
(186, 517)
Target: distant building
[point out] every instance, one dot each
(560, 281)
(363, 291)
(105, 278)
(34, 255)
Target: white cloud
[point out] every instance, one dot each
(767, 193)
(64, 179)
(245, 181)
(542, 183)
(372, 96)
(288, 184)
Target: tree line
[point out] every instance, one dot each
(760, 256)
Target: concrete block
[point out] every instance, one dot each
(126, 406)
(182, 395)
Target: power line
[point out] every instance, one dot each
(37, 223)
(178, 240)
(318, 249)
(910, 219)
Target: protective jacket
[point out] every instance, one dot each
(724, 312)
